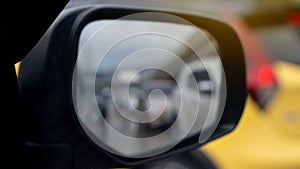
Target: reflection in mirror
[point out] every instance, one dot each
(152, 81)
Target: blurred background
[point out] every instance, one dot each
(268, 135)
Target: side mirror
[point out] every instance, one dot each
(135, 83)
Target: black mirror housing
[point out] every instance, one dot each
(45, 79)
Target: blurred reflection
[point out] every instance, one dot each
(150, 84)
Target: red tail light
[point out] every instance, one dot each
(264, 85)
(265, 76)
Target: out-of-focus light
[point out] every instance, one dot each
(294, 19)
(265, 76)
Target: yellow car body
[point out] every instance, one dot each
(265, 138)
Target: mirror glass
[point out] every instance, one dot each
(140, 87)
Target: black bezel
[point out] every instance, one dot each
(67, 32)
